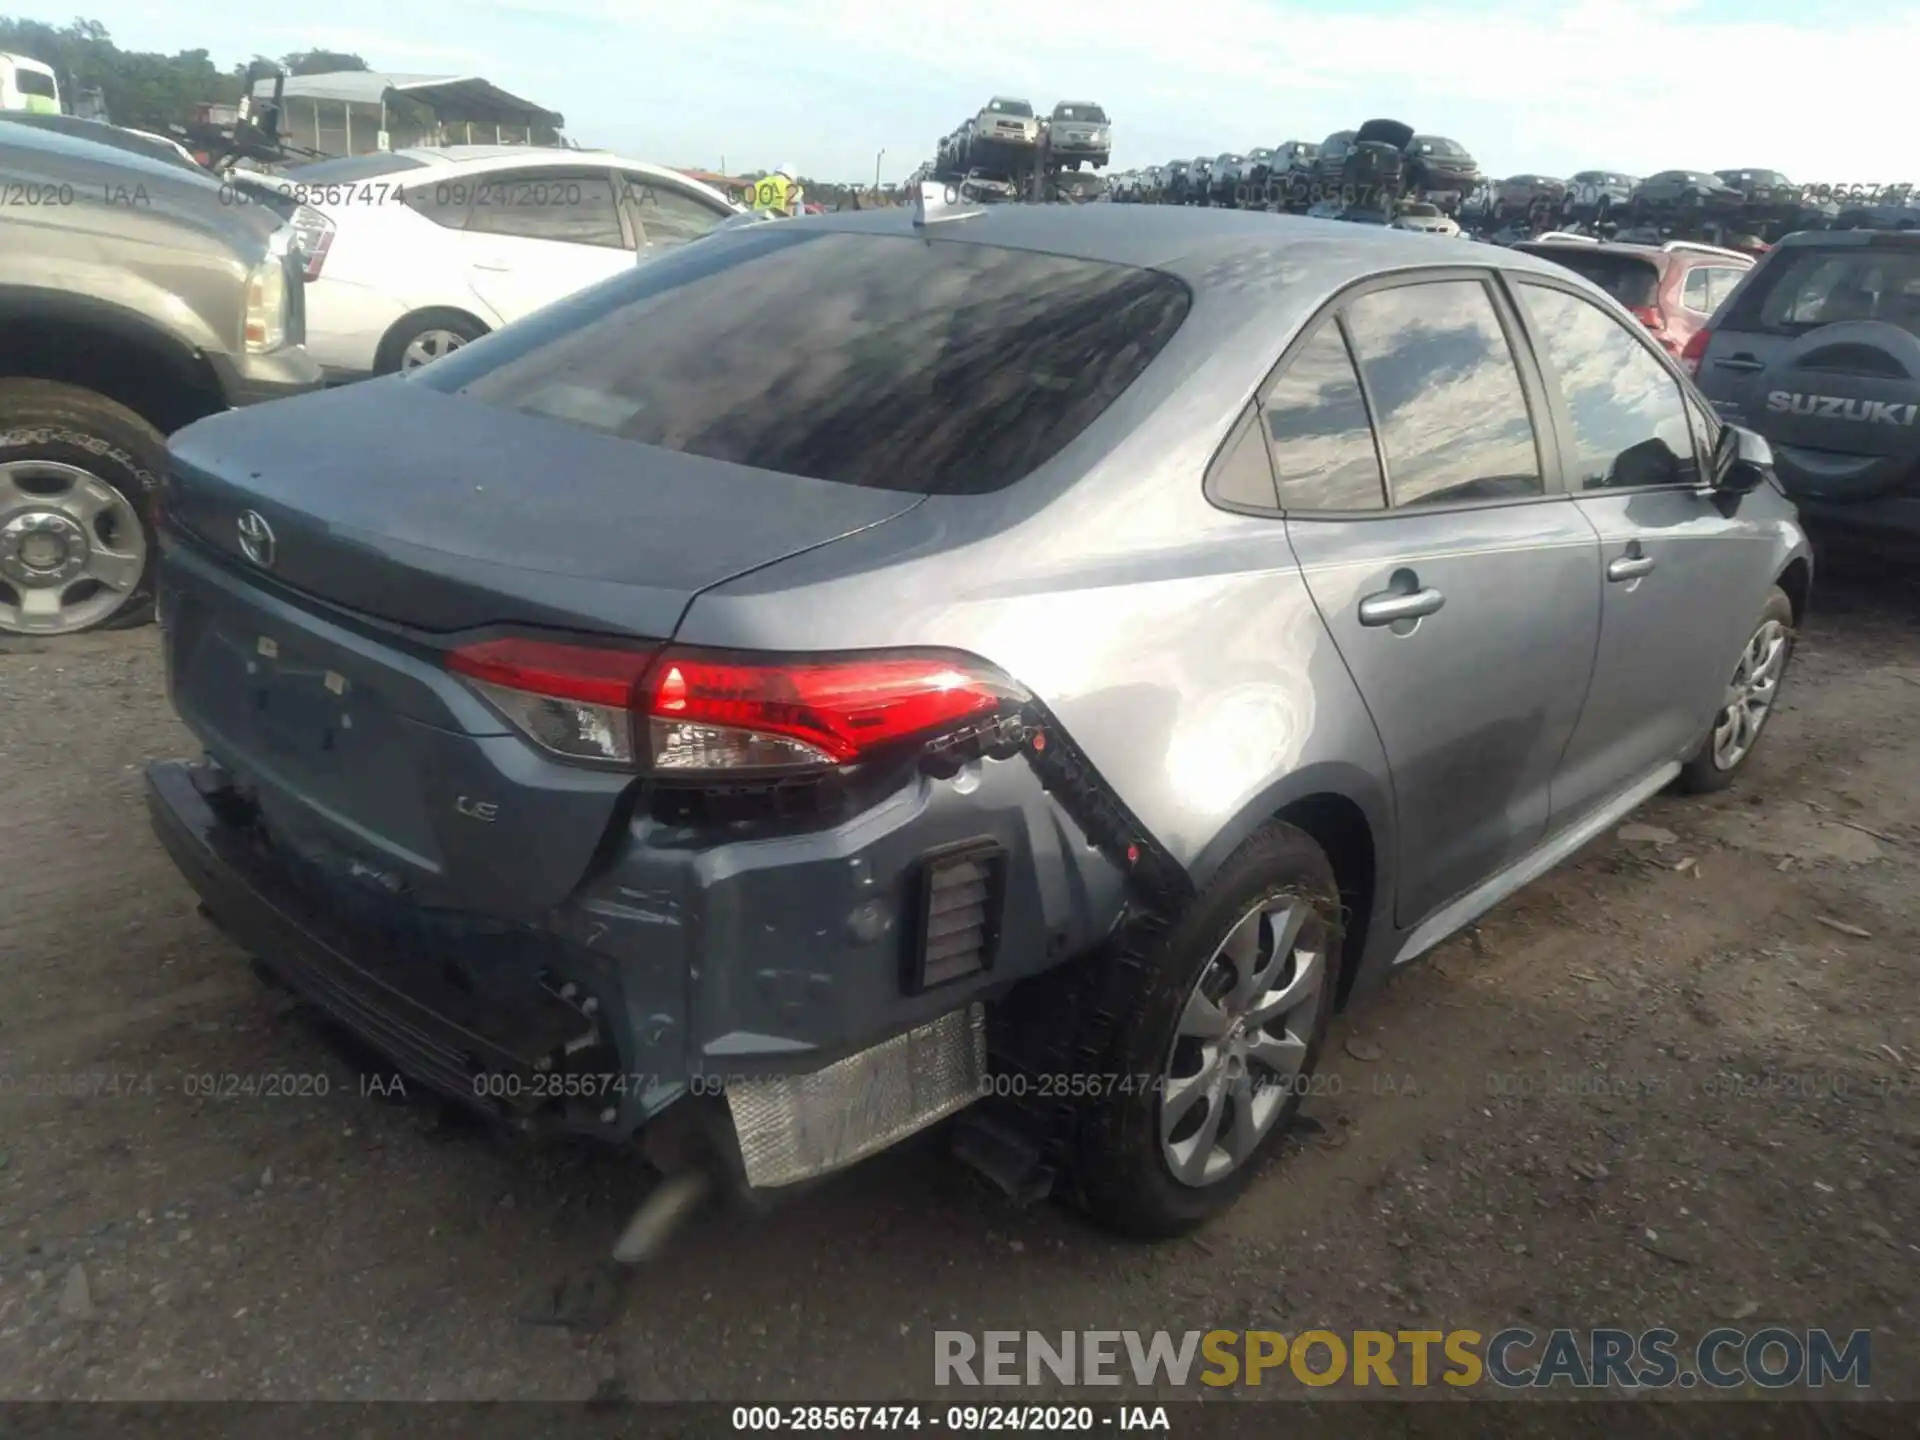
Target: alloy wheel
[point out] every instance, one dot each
(1750, 694)
(428, 346)
(1242, 1040)
(71, 548)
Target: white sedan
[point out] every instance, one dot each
(1426, 218)
(412, 253)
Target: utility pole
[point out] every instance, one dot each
(876, 169)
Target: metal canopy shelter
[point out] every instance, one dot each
(354, 112)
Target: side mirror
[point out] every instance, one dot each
(1742, 461)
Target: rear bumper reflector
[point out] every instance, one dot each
(794, 1127)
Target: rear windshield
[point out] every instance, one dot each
(1627, 278)
(1092, 114)
(926, 366)
(32, 82)
(347, 168)
(1010, 107)
(1806, 288)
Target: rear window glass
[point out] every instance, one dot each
(1806, 288)
(32, 82)
(926, 366)
(1627, 278)
(353, 167)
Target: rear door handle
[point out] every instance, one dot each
(1744, 363)
(1630, 567)
(1391, 605)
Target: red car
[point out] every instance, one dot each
(1672, 289)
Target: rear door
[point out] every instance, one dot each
(1683, 579)
(1459, 583)
(536, 235)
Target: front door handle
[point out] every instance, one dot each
(1744, 363)
(1630, 567)
(1390, 606)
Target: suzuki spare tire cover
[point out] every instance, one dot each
(1841, 408)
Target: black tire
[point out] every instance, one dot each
(406, 331)
(47, 420)
(1701, 775)
(1122, 1178)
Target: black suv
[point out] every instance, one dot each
(1818, 349)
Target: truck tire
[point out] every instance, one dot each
(1182, 1120)
(78, 477)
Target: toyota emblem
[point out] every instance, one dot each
(256, 539)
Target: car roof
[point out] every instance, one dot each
(480, 158)
(1246, 254)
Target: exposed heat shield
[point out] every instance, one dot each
(794, 1127)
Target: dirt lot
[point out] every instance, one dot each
(1542, 1125)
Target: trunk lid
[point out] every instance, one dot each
(441, 514)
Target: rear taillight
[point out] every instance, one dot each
(690, 713)
(313, 232)
(1696, 350)
(1648, 316)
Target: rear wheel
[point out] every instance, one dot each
(1224, 1026)
(1748, 701)
(77, 476)
(423, 338)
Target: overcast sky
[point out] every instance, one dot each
(1813, 88)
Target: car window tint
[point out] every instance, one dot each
(1720, 282)
(1695, 295)
(1316, 425)
(443, 203)
(572, 208)
(925, 366)
(1812, 287)
(1447, 398)
(1241, 474)
(667, 216)
(1630, 424)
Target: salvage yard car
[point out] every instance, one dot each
(1818, 349)
(420, 251)
(132, 302)
(826, 720)
(1079, 133)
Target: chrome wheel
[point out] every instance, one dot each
(1750, 695)
(71, 548)
(428, 346)
(1241, 1041)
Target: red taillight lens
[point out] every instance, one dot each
(1649, 317)
(1696, 350)
(574, 700)
(693, 712)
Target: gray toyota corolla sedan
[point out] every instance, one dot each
(1035, 663)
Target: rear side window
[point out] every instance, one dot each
(925, 366)
(1721, 280)
(1806, 288)
(1694, 294)
(32, 82)
(1630, 424)
(1316, 425)
(1447, 398)
(667, 216)
(1634, 282)
(569, 208)
(443, 203)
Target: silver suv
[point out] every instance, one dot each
(1079, 132)
(1045, 653)
(136, 295)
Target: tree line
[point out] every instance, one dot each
(144, 89)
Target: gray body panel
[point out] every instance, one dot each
(142, 246)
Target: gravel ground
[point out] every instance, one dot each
(1540, 1125)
